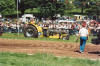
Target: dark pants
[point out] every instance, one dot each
(1, 30)
(60, 35)
(45, 32)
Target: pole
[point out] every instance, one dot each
(17, 18)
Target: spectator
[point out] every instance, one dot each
(13, 27)
(98, 28)
(83, 33)
(51, 29)
(1, 28)
(45, 28)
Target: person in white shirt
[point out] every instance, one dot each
(83, 33)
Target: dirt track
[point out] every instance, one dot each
(57, 48)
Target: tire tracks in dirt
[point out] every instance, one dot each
(57, 48)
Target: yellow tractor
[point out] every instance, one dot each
(34, 30)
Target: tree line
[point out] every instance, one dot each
(49, 8)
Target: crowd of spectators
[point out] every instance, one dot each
(72, 28)
(51, 26)
(12, 27)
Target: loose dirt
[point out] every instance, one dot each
(56, 48)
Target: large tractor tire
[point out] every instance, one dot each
(31, 31)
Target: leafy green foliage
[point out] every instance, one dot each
(7, 7)
(82, 4)
(49, 8)
(94, 8)
(27, 4)
(91, 7)
(45, 8)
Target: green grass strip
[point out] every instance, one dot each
(21, 36)
(42, 59)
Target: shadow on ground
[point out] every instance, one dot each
(77, 51)
(96, 52)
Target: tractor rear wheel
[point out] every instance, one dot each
(31, 31)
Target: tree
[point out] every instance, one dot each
(50, 8)
(83, 4)
(7, 7)
(45, 8)
(26, 4)
(94, 9)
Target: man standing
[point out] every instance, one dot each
(83, 33)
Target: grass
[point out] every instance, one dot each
(21, 36)
(42, 59)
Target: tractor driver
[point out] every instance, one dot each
(32, 21)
